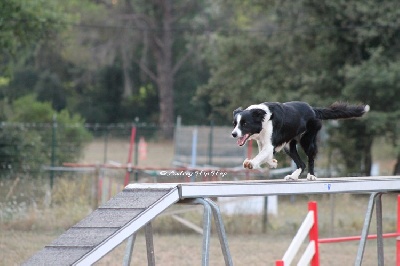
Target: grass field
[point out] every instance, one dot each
(185, 249)
(24, 234)
(176, 245)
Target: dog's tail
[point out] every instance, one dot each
(340, 110)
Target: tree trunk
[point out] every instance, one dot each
(368, 155)
(128, 90)
(165, 75)
(396, 170)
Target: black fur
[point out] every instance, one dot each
(292, 123)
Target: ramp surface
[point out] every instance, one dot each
(107, 227)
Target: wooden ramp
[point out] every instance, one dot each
(107, 227)
(138, 204)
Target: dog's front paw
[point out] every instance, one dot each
(247, 164)
(273, 163)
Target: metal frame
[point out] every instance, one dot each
(375, 198)
(209, 207)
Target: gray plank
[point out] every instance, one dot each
(109, 217)
(59, 256)
(136, 198)
(83, 237)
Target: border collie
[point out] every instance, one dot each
(277, 126)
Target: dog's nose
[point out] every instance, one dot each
(234, 134)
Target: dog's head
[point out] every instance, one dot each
(247, 123)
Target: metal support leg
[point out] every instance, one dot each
(221, 232)
(206, 230)
(148, 231)
(129, 250)
(364, 233)
(379, 231)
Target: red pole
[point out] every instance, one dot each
(312, 206)
(131, 145)
(279, 263)
(398, 232)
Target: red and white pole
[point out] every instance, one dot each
(398, 232)
(312, 206)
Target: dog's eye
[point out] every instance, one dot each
(234, 123)
(243, 124)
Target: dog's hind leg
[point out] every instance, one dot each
(292, 152)
(309, 144)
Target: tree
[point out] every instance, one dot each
(320, 52)
(159, 22)
(24, 147)
(23, 23)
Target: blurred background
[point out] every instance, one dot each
(90, 88)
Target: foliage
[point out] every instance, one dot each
(26, 147)
(23, 23)
(320, 52)
(113, 61)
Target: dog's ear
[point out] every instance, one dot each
(258, 114)
(238, 110)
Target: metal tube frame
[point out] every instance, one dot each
(149, 247)
(375, 198)
(212, 207)
(209, 207)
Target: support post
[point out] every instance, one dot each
(53, 150)
(95, 188)
(148, 231)
(131, 144)
(312, 206)
(194, 152)
(364, 233)
(210, 143)
(265, 215)
(206, 231)
(398, 233)
(221, 232)
(129, 250)
(379, 231)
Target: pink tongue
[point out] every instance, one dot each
(242, 140)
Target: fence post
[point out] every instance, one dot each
(95, 188)
(210, 143)
(53, 149)
(312, 206)
(131, 144)
(194, 151)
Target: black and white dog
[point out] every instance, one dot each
(277, 126)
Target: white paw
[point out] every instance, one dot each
(290, 177)
(311, 177)
(273, 163)
(294, 176)
(248, 164)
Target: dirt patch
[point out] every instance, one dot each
(185, 249)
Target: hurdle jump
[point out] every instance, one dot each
(310, 227)
(138, 204)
